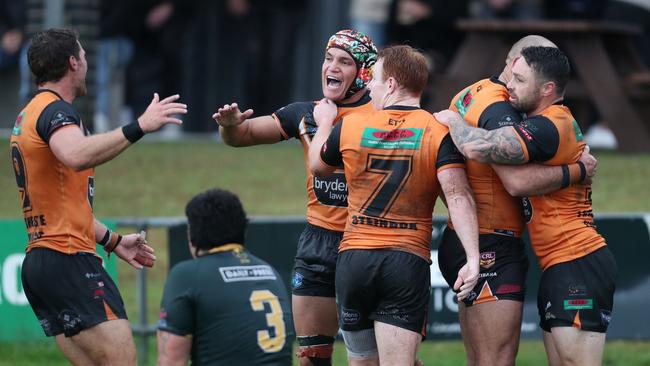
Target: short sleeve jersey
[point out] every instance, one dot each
(56, 200)
(485, 105)
(327, 196)
(234, 306)
(560, 224)
(391, 160)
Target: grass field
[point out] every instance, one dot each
(157, 179)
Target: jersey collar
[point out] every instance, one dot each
(226, 247)
(364, 100)
(48, 90)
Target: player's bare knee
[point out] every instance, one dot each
(317, 349)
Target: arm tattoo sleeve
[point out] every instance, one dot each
(501, 146)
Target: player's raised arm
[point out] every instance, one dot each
(462, 210)
(238, 129)
(76, 150)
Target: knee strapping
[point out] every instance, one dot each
(318, 348)
(361, 343)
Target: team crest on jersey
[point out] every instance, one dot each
(464, 102)
(18, 126)
(488, 259)
(402, 138)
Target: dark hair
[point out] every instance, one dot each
(49, 52)
(549, 64)
(407, 65)
(215, 217)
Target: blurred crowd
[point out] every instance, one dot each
(254, 52)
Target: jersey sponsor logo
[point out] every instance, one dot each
(296, 282)
(18, 125)
(349, 316)
(522, 128)
(331, 190)
(91, 191)
(488, 259)
(605, 316)
(247, 273)
(578, 289)
(509, 288)
(506, 120)
(577, 131)
(403, 138)
(528, 209)
(373, 221)
(464, 102)
(577, 304)
(487, 275)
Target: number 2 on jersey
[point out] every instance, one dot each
(396, 170)
(274, 320)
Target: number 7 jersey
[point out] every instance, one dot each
(391, 160)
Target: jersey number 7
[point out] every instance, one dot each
(395, 171)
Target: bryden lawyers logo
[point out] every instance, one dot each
(401, 138)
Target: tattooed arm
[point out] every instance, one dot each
(500, 146)
(173, 349)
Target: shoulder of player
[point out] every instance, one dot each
(55, 107)
(298, 108)
(556, 113)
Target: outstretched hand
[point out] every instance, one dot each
(229, 115)
(134, 250)
(591, 163)
(161, 112)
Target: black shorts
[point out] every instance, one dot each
(503, 266)
(579, 293)
(387, 286)
(315, 265)
(69, 293)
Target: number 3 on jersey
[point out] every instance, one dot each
(274, 320)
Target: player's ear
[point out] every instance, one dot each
(549, 88)
(73, 63)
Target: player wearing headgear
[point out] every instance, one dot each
(349, 56)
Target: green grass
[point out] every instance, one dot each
(157, 179)
(447, 353)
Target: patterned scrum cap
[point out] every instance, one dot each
(362, 50)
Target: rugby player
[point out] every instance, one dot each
(490, 317)
(54, 157)
(397, 160)
(349, 55)
(225, 306)
(575, 296)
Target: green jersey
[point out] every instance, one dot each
(234, 306)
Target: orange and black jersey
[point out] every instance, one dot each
(484, 104)
(560, 224)
(391, 159)
(56, 200)
(327, 196)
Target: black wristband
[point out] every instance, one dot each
(133, 132)
(105, 239)
(566, 177)
(583, 171)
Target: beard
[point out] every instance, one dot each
(527, 104)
